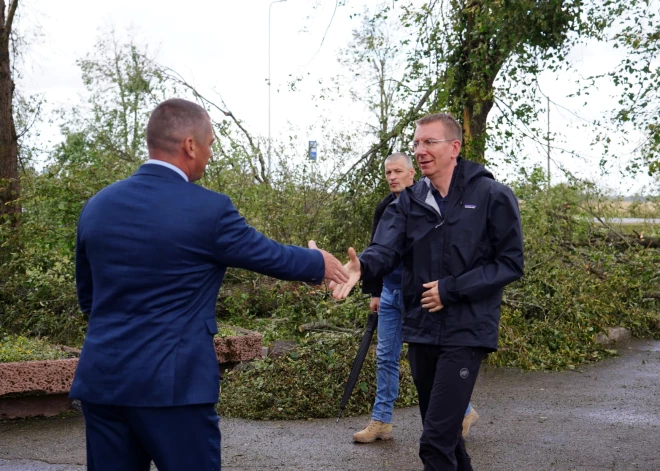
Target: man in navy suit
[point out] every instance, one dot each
(151, 254)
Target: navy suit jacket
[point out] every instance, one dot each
(151, 254)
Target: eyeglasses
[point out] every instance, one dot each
(426, 143)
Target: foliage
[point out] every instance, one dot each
(19, 348)
(227, 331)
(581, 276)
(277, 309)
(636, 78)
(578, 281)
(470, 58)
(307, 382)
(123, 86)
(38, 297)
(300, 202)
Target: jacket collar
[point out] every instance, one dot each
(422, 189)
(159, 171)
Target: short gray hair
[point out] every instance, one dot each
(452, 126)
(400, 156)
(174, 120)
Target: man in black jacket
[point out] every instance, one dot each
(386, 301)
(458, 234)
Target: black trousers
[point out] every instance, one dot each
(444, 377)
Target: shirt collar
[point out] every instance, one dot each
(168, 165)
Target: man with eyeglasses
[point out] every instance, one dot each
(386, 301)
(458, 234)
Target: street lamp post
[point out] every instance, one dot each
(269, 140)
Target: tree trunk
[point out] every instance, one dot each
(476, 67)
(9, 185)
(475, 118)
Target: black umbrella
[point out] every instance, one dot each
(372, 323)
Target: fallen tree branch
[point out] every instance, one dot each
(599, 273)
(395, 132)
(323, 326)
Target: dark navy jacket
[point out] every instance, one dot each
(474, 251)
(151, 254)
(375, 287)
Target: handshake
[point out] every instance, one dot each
(342, 278)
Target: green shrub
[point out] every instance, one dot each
(277, 309)
(307, 382)
(18, 348)
(38, 297)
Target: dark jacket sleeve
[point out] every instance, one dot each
(374, 286)
(239, 245)
(385, 252)
(505, 234)
(84, 286)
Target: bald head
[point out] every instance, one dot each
(173, 121)
(405, 158)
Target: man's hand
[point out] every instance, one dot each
(431, 298)
(354, 270)
(374, 304)
(334, 272)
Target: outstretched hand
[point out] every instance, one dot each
(334, 272)
(354, 271)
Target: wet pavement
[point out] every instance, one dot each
(604, 416)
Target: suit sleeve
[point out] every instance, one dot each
(505, 234)
(239, 245)
(84, 285)
(386, 250)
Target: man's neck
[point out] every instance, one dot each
(172, 160)
(442, 181)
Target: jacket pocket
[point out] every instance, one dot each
(212, 325)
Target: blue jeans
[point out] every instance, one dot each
(387, 354)
(388, 351)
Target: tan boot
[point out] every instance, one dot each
(468, 421)
(376, 430)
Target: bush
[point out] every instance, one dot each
(307, 382)
(38, 297)
(580, 278)
(18, 348)
(277, 309)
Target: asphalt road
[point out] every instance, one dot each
(604, 416)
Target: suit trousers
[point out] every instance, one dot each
(179, 438)
(444, 377)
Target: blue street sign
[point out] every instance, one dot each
(313, 146)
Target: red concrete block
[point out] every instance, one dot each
(33, 388)
(238, 348)
(37, 377)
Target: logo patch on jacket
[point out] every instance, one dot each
(470, 206)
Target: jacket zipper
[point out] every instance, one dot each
(430, 208)
(441, 271)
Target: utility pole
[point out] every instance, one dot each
(548, 138)
(269, 140)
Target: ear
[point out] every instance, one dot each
(456, 148)
(189, 147)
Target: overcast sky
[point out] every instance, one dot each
(223, 46)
